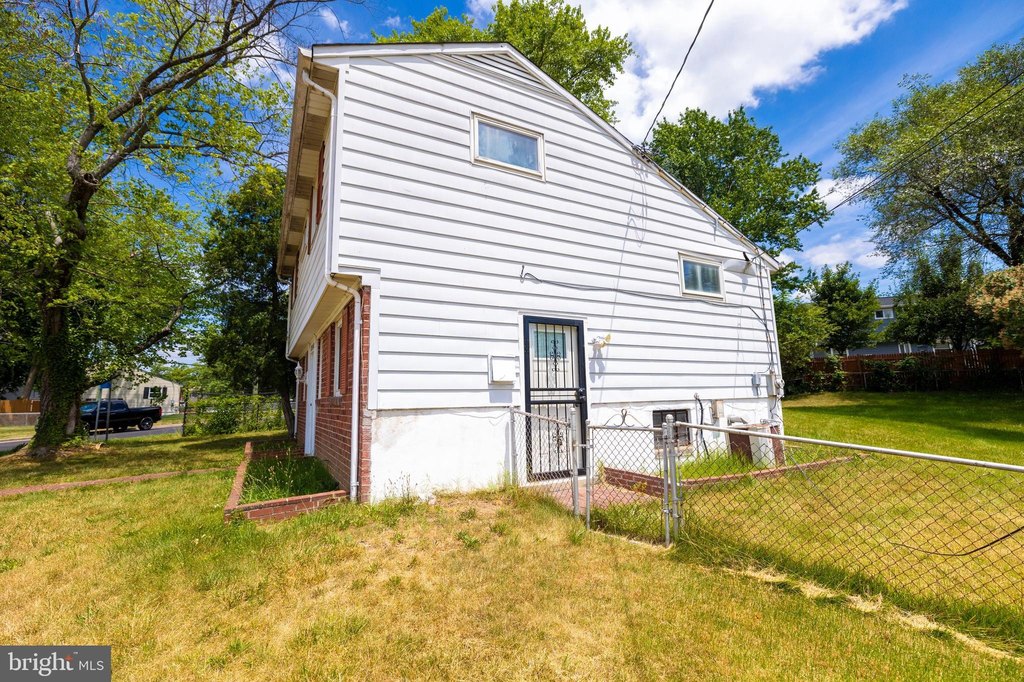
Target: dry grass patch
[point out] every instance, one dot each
(392, 591)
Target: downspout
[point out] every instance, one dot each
(288, 326)
(357, 298)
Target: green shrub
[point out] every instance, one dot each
(218, 415)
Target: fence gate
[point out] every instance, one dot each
(555, 388)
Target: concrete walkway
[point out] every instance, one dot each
(54, 487)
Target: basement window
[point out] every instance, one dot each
(682, 434)
(701, 277)
(507, 146)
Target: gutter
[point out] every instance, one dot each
(357, 314)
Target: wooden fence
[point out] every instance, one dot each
(18, 406)
(988, 367)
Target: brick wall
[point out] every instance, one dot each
(365, 417)
(333, 431)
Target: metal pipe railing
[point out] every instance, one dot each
(861, 448)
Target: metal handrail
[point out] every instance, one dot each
(862, 448)
(531, 415)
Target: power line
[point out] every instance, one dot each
(679, 72)
(932, 141)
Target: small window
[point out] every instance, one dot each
(339, 365)
(879, 315)
(508, 146)
(320, 184)
(682, 434)
(701, 277)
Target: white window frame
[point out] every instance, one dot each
(879, 314)
(701, 260)
(338, 369)
(494, 163)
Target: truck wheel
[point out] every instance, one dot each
(145, 424)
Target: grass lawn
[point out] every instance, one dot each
(128, 457)
(488, 586)
(274, 478)
(971, 425)
(16, 432)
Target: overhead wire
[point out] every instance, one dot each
(933, 141)
(679, 72)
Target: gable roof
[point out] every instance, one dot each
(484, 51)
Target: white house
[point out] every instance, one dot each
(145, 389)
(462, 235)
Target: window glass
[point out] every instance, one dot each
(508, 146)
(701, 278)
(548, 344)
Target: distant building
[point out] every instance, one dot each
(148, 389)
(884, 316)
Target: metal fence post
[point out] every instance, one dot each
(588, 462)
(513, 476)
(670, 448)
(666, 437)
(574, 475)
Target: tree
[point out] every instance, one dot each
(1002, 299)
(552, 34)
(247, 345)
(140, 92)
(803, 328)
(740, 170)
(848, 307)
(935, 303)
(948, 159)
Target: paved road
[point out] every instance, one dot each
(133, 433)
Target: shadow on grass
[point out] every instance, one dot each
(991, 621)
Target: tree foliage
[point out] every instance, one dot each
(935, 304)
(1001, 298)
(551, 33)
(968, 180)
(246, 346)
(125, 109)
(740, 170)
(848, 307)
(803, 328)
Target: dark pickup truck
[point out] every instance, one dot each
(94, 415)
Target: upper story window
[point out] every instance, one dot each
(701, 277)
(508, 146)
(320, 184)
(883, 314)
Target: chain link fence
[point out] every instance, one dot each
(545, 458)
(223, 414)
(941, 535)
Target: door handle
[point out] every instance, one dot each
(581, 394)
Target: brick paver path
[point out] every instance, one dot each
(53, 487)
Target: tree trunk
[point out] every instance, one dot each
(30, 382)
(62, 380)
(284, 391)
(62, 363)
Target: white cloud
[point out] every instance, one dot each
(394, 22)
(482, 11)
(847, 245)
(333, 22)
(747, 48)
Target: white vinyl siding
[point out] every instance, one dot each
(450, 238)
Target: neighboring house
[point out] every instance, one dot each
(463, 235)
(884, 316)
(146, 390)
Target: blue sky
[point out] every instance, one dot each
(811, 69)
